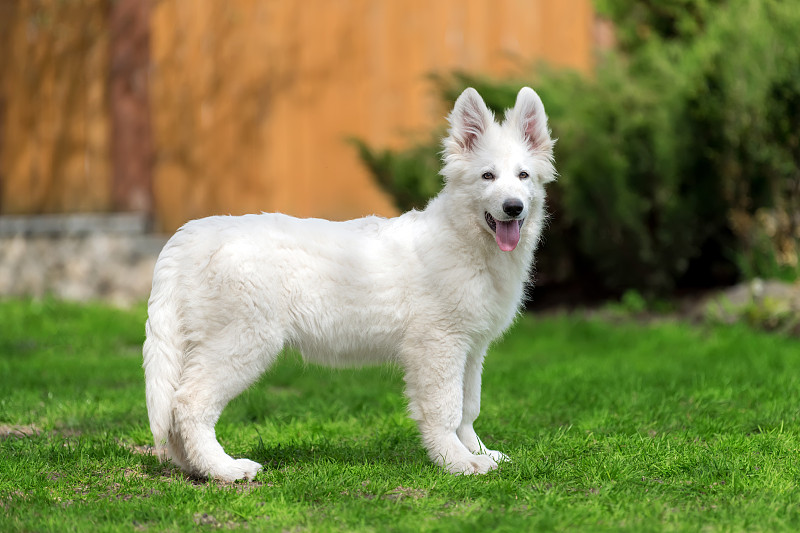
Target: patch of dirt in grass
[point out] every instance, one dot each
(359, 493)
(32, 430)
(401, 493)
(454, 508)
(144, 449)
(246, 487)
(205, 519)
(208, 520)
(55, 476)
(80, 492)
(398, 493)
(7, 431)
(12, 497)
(118, 491)
(133, 473)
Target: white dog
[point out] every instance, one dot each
(429, 290)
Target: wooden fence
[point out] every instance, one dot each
(189, 108)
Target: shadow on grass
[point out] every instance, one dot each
(388, 449)
(385, 448)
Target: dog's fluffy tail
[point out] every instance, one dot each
(163, 349)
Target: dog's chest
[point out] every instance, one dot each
(500, 301)
(479, 301)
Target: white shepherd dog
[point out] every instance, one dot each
(428, 290)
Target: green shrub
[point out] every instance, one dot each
(638, 23)
(747, 100)
(410, 177)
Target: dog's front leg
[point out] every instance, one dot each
(435, 389)
(472, 408)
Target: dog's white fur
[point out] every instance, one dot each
(429, 290)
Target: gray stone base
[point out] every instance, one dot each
(81, 257)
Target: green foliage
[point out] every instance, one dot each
(411, 177)
(638, 215)
(699, 432)
(679, 159)
(636, 23)
(746, 112)
(632, 302)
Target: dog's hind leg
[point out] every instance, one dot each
(435, 400)
(472, 408)
(209, 382)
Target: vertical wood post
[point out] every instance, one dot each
(131, 132)
(7, 15)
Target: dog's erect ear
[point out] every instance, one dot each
(529, 117)
(469, 120)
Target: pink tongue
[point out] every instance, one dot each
(507, 235)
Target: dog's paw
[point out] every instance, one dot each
(238, 469)
(247, 468)
(499, 457)
(473, 464)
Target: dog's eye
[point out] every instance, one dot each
(523, 175)
(488, 176)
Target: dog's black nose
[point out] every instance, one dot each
(512, 207)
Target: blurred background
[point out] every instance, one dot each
(185, 109)
(678, 124)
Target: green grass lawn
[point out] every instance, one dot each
(610, 427)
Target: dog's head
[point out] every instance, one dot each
(500, 169)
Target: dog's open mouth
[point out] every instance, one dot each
(506, 232)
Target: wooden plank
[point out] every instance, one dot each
(131, 135)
